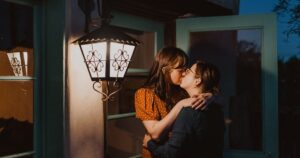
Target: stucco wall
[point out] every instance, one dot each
(84, 106)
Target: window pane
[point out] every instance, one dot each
(16, 117)
(124, 137)
(237, 54)
(16, 96)
(144, 53)
(16, 40)
(123, 101)
(141, 61)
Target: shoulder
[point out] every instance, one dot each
(187, 113)
(145, 104)
(143, 94)
(192, 116)
(185, 120)
(143, 91)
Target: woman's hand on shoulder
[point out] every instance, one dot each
(202, 100)
(187, 102)
(197, 102)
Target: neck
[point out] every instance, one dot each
(194, 91)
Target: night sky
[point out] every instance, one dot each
(287, 47)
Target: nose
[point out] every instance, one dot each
(183, 73)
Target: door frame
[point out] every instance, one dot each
(268, 24)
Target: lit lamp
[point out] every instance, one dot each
(107, 53)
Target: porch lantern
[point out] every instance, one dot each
(107, 52)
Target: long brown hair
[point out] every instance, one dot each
(159, 78)
(210, 76)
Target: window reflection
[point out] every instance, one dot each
(123, 101)
(20, 62)
(237, 54)
(125, 137)
(16, 40)
(16, 96)
(16, 117)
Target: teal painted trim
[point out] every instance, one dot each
(14, 78)
(120, 116)
(184, 26)
(131, 70)
(23, 2)
(270, 82)
(19, 155)
(141, 24)
(268, 23)
(53, 78)
(243, 154)
(38, 91)
(136, 156)
(137, 72)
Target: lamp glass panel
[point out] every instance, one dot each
(95, 58)
(120, 56)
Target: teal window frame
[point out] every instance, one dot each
(49, 78)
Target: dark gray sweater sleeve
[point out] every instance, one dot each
(182, 127)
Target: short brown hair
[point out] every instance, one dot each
(210, 76)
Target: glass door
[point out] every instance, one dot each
(244, 50)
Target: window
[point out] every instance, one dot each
(123, 102)
(17, 80)
(122, 124)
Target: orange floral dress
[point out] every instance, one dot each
(148, 106)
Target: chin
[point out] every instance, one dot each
(177, 83)
(181, 86)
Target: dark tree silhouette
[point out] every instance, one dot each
(289, 116)
(292, 10)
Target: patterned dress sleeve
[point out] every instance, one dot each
(144, 104)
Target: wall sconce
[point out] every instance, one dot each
(107, 52)
(18, 59)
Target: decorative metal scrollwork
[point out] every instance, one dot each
(94, 61)
(97, 85)
(121, 60)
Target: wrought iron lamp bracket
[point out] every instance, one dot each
(107, 95)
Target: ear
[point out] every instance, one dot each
(198, 81)
(163, 70)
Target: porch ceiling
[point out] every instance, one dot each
(167, 10)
